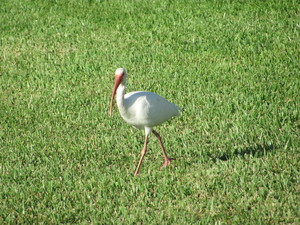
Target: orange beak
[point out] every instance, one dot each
(118, 81)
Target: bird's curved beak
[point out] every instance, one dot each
(118, 81)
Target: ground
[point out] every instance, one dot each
(233, 66)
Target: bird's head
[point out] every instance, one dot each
(120, 76)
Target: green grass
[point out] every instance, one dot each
(232, 65)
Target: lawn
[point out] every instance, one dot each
(233, 66)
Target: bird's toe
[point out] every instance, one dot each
(167, 162)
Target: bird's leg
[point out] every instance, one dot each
(143, 152)
(167, 159)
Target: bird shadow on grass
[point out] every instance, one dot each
(257, 151)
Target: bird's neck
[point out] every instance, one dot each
(120, 96)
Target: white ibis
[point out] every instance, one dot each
(143, 110)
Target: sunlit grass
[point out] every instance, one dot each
(232, 66)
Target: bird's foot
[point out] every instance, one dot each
(167, 162)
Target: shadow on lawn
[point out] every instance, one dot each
(255, 151)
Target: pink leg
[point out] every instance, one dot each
(167, 159)
(143, 152)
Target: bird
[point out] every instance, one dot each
(142, 110)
